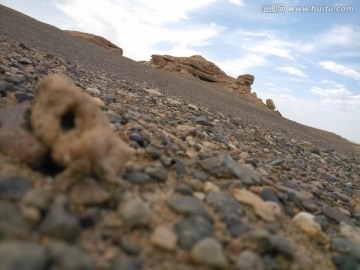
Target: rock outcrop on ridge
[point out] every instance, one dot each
(100, 41)
(198, 67)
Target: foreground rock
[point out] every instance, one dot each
(76, 132)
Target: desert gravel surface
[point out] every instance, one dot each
(209, 181)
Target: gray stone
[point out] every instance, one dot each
(270, 262)
(221, 139)
(282, 245)
(188, 206)
(345, 246)
(60, 223)
(153, 151)
(237, 121)
(189, 231)
(314, 150)
(200, 174)
(14, 79)
(3, 86)
(16, 255)
(115, 118)
(275, 162)
(14, 187)
(130, 247)
(292, 197)
(11, 221)
(258, 240)
(341, 245)
(22, 96)
(224, 166)
(335, 214)
(179, 167)
(322, 221)
(309, 205)
(65, 256)
(344, 262)
(184, 189)
(202, 120)
(267, 194)
(127, 263)
(138, 138)
(249, 260)
(240, 135)
(329, 188)
(110, 97)
(135, 213)
(158, 173)
(209, 252)
(224, 203)
(137, 178)
(39, 198)
(343, 197)
(229, 211)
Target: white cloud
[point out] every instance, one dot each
(341, 35)
(333, 83)
(293, 71)
(257, 47)
(138, 25)
(181, 51)
(299, 80)
(237, 2)
(271, 48)
(324, 114)
(235, 67)
(340, 69)
(338, 97)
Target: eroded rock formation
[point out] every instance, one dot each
(195, 65)
(198, 67)
(242, 84)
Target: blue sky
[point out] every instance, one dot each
(307, 62)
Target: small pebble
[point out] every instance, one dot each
(164, 238)
(135, 213)
(249, 260)
(189, 231)
(209, 251)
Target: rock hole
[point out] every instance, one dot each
(68, 120)
(49, 166)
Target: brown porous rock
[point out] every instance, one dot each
(77, 133)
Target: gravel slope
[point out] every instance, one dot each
(49, 39)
